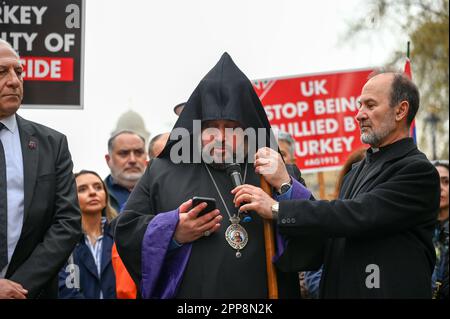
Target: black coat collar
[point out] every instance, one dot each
(378, 159)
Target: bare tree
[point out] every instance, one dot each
(426, 22)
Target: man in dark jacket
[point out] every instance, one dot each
(379, 231)
(40, 220)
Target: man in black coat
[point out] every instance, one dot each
(40, 220)
(379, 231)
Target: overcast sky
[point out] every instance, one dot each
(150, 55)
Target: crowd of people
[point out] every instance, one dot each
(136, 234)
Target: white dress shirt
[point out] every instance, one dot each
(14, 183)
(97, 251)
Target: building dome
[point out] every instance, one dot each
(132, 121)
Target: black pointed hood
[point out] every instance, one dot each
(225, 93)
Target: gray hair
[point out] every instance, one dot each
(286, 137)
(8, 45)
(115, 134)
(152, 144)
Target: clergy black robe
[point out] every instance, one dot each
(212, 269)
(385, 217)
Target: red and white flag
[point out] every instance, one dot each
(407, 72)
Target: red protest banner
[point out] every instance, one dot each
(47, 69)
(318, 110)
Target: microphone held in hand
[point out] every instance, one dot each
(234, 171)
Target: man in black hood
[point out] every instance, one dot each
(171, 251)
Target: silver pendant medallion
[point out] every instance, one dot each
(237, 237)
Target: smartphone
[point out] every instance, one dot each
(211, 204)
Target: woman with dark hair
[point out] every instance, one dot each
(89, 272)
(440, 238)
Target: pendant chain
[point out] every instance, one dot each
(234, 217)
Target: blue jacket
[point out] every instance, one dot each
(118, 195)
(89, 282)
(440, 241)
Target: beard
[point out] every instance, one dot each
(221, 159)
(131, 177)
(376, 136)
(126, 179)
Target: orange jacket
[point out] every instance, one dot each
(125, 286)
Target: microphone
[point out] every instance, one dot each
(234, 171)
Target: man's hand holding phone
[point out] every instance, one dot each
(197, 220)
(210, 204)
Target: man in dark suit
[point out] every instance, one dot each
(379, 231)
(40, 220)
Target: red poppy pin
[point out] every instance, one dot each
(32, 145)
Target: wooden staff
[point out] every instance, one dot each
(270, 248)
(321, 180)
